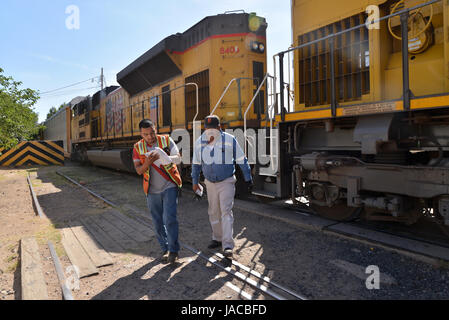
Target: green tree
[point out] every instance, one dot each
(51, 112)
(18, 121)
(54, 110)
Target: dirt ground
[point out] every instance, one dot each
(18, 220)
(317, 265)
(63, 202)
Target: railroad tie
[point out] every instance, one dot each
(33, 282)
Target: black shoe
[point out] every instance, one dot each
(227, 253)
(172, 257)
(164, 257)
(214, 244)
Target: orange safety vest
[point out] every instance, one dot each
(169, 172)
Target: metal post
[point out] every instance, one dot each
(157, 114)
(99, 124)
(106, 124)
(132, 125)
(113, 122)
(102, 79)
(333, 90)
(281, 83)
(405, 65)
(240, 98)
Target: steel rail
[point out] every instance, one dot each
(210, 259)
(88, 190)
(67, 294)
(260, 276)
(36, 202)
(236, 274)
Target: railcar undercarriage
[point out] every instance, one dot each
(391, 167)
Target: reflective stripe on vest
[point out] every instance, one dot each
(163, 141)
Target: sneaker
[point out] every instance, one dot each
(172, 257)
(214, 244)
(227, 252)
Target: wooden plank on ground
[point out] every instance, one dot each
(144, 230)
(108, 243)
(123, 226)
(77, 254)
(99, 257)
(33, 282)
(122, 238)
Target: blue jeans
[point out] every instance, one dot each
(163, 207)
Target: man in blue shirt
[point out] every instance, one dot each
(215, 153)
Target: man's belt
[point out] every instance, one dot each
(220, 180)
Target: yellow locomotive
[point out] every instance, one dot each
(369, 131)
(361, 130)
(177, 81)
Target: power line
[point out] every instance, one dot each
(72, 85)
(68, 92)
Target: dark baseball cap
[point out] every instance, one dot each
(211, 122)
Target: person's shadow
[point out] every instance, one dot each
(187, 279)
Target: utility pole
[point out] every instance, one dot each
(101, 79)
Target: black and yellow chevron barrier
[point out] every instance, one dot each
(33, 153)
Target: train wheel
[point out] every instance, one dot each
(338, 212)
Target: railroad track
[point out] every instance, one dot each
(423, 232)
(243, 273)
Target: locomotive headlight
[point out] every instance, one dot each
(261, 48)
(255, 46)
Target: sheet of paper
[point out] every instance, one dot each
(164, 159)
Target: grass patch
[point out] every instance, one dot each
(11, 258)
(57, 180)
(36, 183)
(51, 233)
(11, 246)
(13, 267)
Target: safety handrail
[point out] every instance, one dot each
(251, 103)
(222, 95)
(271, 136)
(226, 90)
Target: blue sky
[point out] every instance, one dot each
(39, 50)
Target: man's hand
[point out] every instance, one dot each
(151, 159)
(196, 187)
